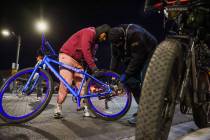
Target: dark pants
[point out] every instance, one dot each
(134, 83)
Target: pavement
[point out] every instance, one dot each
(75, 127)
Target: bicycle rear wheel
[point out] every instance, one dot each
(112, 106)
(18, 106)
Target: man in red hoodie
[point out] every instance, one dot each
(80, 46)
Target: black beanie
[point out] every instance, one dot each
(105, 28)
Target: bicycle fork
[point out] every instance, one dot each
(31, 82)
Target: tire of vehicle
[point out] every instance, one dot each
(119, 104)
(13, 119)
(200, 110)
(159, 91)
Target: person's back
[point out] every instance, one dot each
(84, 39)
(135, 51)
(139, 33)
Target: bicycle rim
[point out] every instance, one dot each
(112, 106)
(17, 106)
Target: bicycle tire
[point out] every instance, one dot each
(10, 94)
(97, 106)
(159, 92)
(201, 111)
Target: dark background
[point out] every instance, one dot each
(65, 18)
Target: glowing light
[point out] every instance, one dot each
(41, 26)
(5, 32)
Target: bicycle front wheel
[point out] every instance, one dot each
(112, 106)
(18, 105)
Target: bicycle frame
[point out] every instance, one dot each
(47, 61)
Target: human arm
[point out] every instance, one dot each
(87, 42)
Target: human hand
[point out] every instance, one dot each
(94, 69)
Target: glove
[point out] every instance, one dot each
(94, 69)
(123, 78)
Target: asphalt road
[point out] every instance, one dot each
(75, 127)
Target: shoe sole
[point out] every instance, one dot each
(57, 116)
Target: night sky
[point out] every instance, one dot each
(65, 18)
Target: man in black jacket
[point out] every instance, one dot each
(132, 47)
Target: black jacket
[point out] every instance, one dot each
(140, 45)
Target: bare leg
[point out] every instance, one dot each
(62, 92)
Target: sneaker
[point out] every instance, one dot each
(58, 112)
(133, 120)
(86, 112)
(58, 115)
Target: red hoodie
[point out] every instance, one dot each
(81, 45)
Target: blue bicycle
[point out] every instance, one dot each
(18, 94)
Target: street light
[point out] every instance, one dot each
(42, 26)
(7, 33)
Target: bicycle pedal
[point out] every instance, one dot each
(81, 108)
